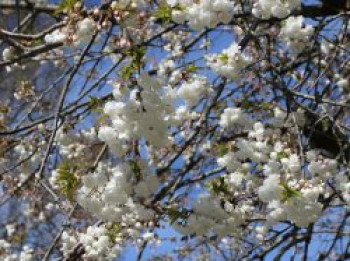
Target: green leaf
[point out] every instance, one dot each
(4, 109)
(103, 118)
(94, 102)
(163, 13)
(179, 7)
(175, 214)
(67, 181)
(65, 6)
(192, 68)
(137, 55)
(140, 53)
(223, 58)
(135, 168)
(218, 186)
(222, 149)
(127, 71)
(288, 192)
(246, 104)
(113, 231)
(265, 106)
(281, 155)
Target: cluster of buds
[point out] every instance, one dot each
(25, 92)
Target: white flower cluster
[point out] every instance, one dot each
(302, 209)
(165, 67)
(192, 91)
(265, 153)
(295, 34)
(229, 63)
(209, 217)
(343, 185)
(321, 167)
(8, 53)
(24, 254)
(57, 36)
(148, 112)
(82, 34)
(138, 113)
(74, 145)
(201, 14)
(96, 243)
(266, 9)
(175, 43)
(232, 117)
(31, 159)
(111, 194)
(125, 4)
(27, 254)
(270, 189)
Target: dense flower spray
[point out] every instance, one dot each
(219, 127)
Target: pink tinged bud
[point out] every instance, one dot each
(96, 12)
(124, 43)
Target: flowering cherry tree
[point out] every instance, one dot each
(216, 128)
